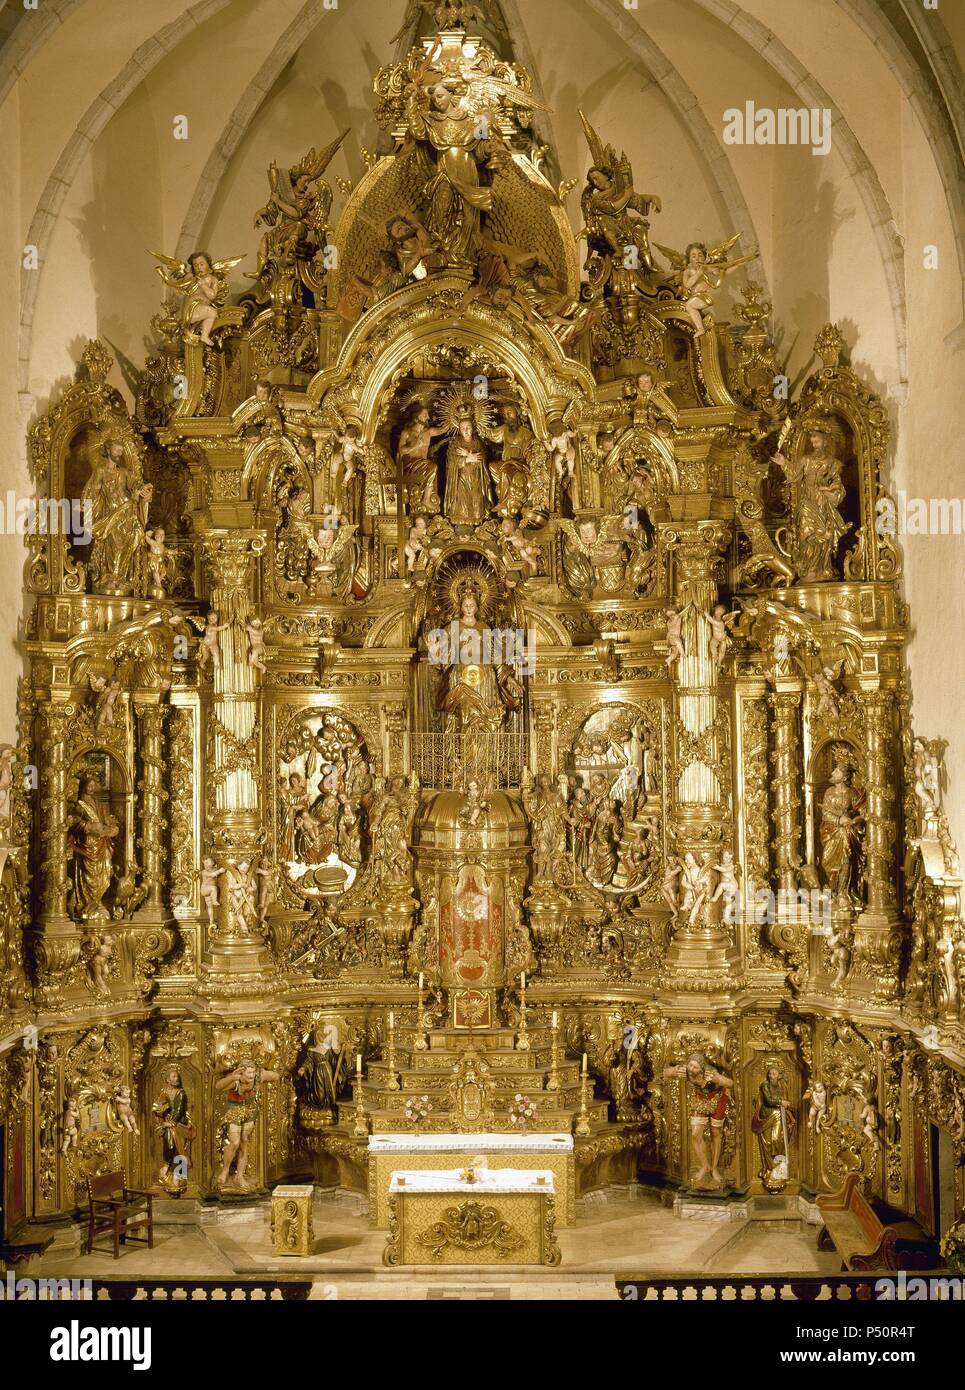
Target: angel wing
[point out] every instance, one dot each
(677, 259)
(174, 272)
(221, 268)
(717, 255)
(574, 539)
(605, 156)
(314, 164)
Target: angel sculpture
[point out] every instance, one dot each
(929, 775)
(334, 552)
(159, 564)
(257, 631)
(204, 286)
(561, 446)
(106, 694)
(296, 222)
(615, 217)
(209, 647)
(700, 272)
(594, 556)
(829, 697)
(720, 624)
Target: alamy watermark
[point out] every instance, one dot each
(788, 125)
(47, 516)
(489, 646)
(760, 906)
(918, 516)
(25, 1290)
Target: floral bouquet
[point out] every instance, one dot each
(522, 1111)
(417, 1108)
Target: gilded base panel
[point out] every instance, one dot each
(433, 1228)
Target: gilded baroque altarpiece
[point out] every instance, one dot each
(477, 662)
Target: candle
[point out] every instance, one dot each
(522, 981)
(554, 1018)
(358, 1063)
(420, 979)
(391, 1020)
(584, 1064)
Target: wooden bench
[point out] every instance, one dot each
(868, 1236)
(113, 1206)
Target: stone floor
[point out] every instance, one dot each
(613, 1234)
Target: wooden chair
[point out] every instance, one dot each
(115, 1207)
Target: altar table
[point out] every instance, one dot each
(434, 1152)
(506, 1217)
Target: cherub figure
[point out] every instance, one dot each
(699, 275)
(158, 563)
(829, 699)
(209, 649)
(415, 546)
(71, 1125)
(840, 946)
(267, 875)
(720, 623)
(817, 1095)
(204, 286)
(561, 446)
(124, 1109)
(209, 887)
(99, 964)
(257, 630)
(348, 448)
(106, 694)
(728, 886)
(241, 891)
(675, 641)
(668, 888)
(517, 549)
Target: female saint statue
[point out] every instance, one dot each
(467, 476)
(91, 833)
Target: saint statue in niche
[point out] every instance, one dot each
(468, 482)
(91, 833)
(477, 687)
(118, 517)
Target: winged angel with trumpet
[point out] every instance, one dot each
(615, 217)
(699, 275)
(203, 283)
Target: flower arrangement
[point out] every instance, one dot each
(417, 1108)
(952, 1246)
(522, 1110)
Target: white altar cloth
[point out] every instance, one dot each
(471, 1143)
(490, 1181)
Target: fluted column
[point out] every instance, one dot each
(701, 956)
(235, 957)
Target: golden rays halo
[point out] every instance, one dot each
(455, 403)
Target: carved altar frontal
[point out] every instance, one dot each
(504, 1217)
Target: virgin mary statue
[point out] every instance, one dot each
(468, 484)
(477, 689)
